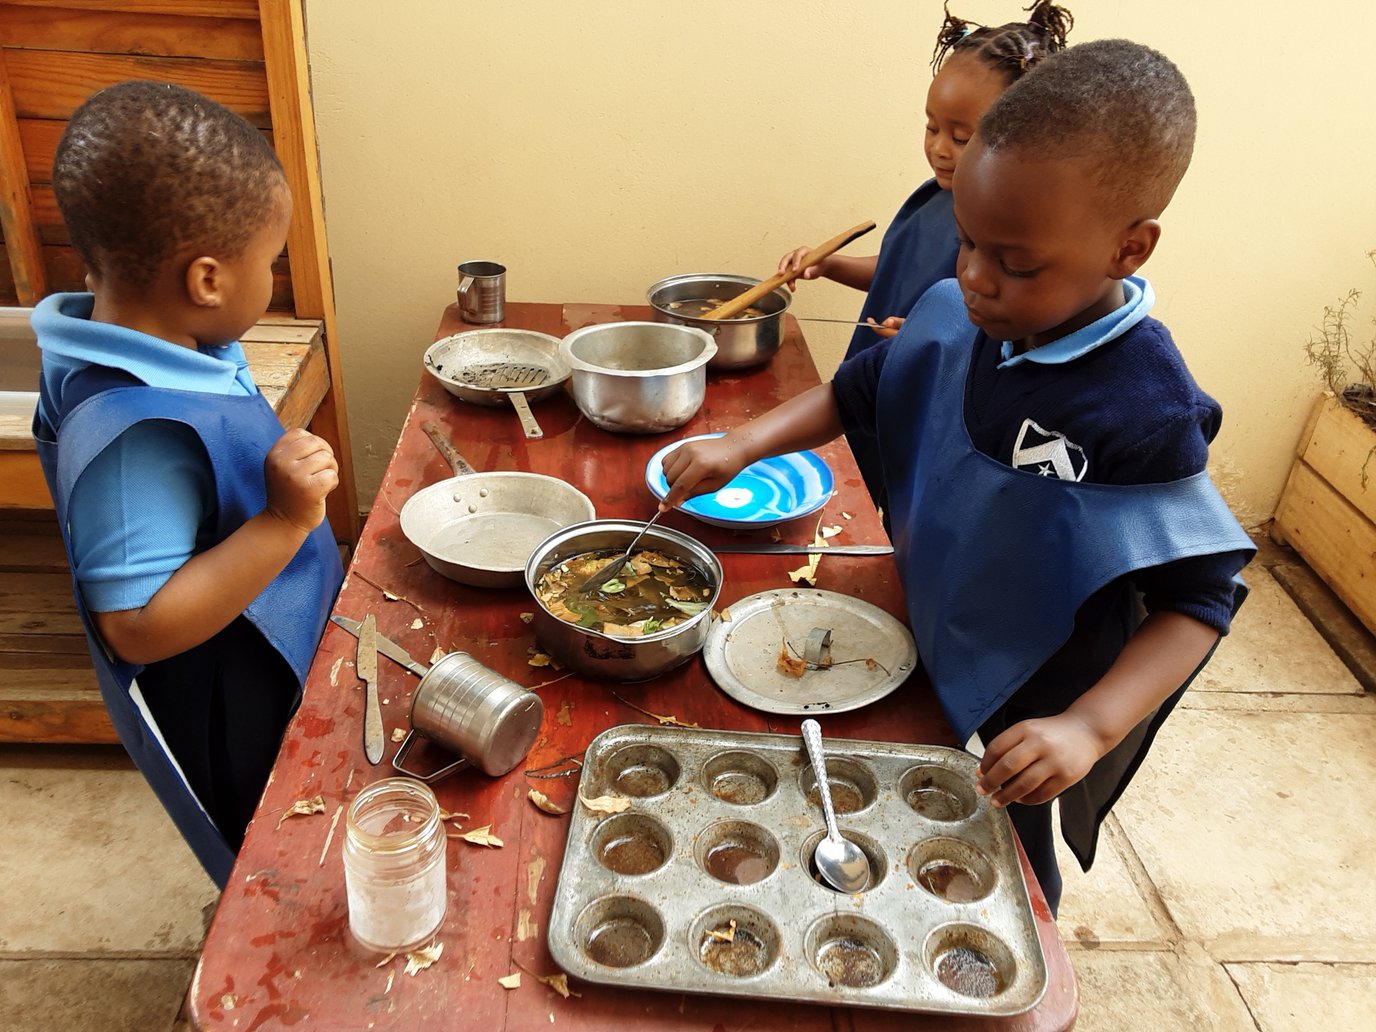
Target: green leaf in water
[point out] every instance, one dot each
(613, 587)
(691, 608)
(651, 625)
(587, 617)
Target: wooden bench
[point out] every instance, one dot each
(48, 690)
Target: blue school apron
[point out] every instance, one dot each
(290, 613)
(996, 561)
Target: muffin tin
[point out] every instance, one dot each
(722, 827)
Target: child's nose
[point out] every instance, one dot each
(974, 276)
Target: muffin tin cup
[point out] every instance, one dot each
(707, 883)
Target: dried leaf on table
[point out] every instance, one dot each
(726, 616)
(559, 983)
(229, 1000)
(667, 720)
(727, 936)
(419, 960)
(417, 624)
(334, 672)
(831, 532)
(787, 663)
(542, 802)
(398, 734)
(480, 837)
(539, 659)
(511, 981)
(385, 960)
(445, 815)
(847, 515)
(605, 804)
(304, 807)
(437, 655)
(527, 617)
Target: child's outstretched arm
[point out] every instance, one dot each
(1036, 760)
(806, 421)
(845, 269)
(212, 588)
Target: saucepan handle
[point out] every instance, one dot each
(522, 406)
(451, 454)
(399, 761)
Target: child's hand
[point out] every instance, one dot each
(1036, 760)
(888, 328)
(794, 258)
(300, 471)
(702, 466)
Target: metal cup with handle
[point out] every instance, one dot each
(489, 720)
(482, 292)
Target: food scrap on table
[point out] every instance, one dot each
(304, 807)
(542, 802)
(398, 734)
(419, 960)
(511, 981)
(668, 720)
(479, 837)
(417, 624)
(605, 804)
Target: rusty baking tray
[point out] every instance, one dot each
(721, 828)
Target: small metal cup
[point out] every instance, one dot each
(470, 709)
(482, 292)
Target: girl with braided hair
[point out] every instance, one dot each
(971, 65)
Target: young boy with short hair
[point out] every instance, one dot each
(202, 565)
(1052, 487)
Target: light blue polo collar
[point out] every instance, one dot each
(1139, 297)
(64, 329)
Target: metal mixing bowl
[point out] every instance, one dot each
(600, 655)
(639, 377)
(741, 343)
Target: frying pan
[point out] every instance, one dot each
(488, 367)
(480, 528)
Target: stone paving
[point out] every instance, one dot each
(1235, 887)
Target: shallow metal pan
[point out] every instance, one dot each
(480, 528)
(497, 366)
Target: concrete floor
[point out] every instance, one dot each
(1234, 890)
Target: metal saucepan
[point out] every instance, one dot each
(480, 528)
(741, 343)
(488, 367)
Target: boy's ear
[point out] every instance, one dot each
(205, 282)
(1135, 247)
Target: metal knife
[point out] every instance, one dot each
(367, 671)
(386, 646)
(778, 548)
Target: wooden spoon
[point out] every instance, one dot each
(741, 302)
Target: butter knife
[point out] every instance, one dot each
(386, 646)
(778, 548)
(366, 667)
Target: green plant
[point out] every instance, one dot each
(1348, 369)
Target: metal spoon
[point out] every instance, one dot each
(839, 860)
(608, 571)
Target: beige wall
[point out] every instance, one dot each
(594, 147)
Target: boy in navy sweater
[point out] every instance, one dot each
(1044, 448)
(203, 568)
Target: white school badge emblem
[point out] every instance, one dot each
(1048, 454)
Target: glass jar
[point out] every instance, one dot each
(394, 865)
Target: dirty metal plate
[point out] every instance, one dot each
(870, 652)
(722, 826)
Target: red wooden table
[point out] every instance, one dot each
(278, 953)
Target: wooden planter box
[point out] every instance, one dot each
(1327, 514)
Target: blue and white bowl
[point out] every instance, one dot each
(767, 492)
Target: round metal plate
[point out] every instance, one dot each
(871, 653)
